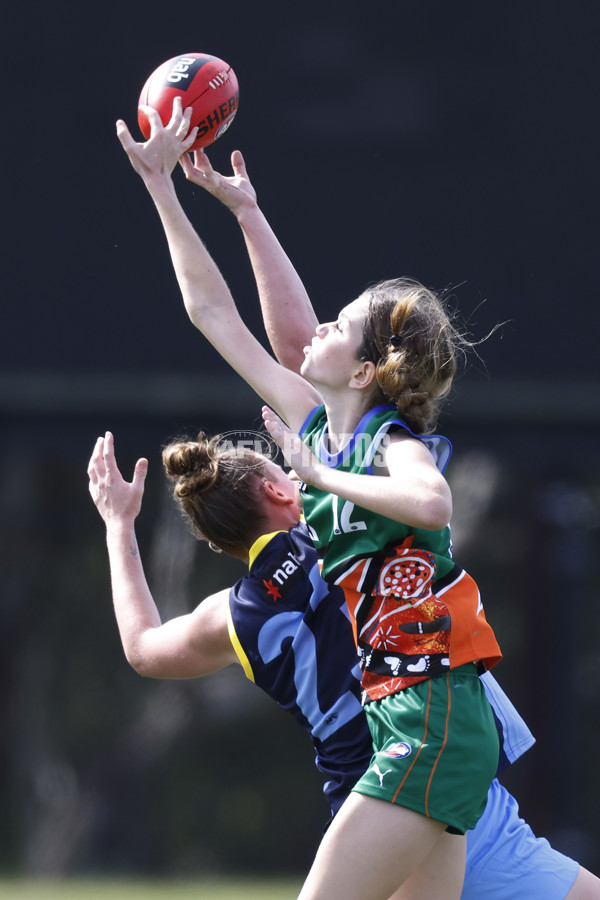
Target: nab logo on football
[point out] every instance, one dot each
(183, 71)
(398, 751)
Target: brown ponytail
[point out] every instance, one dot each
(411, 339)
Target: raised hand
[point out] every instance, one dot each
(118, 501)
(161, 152)
(234, 191)
(304, 464)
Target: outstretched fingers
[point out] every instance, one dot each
(179, 124)
(103, 465)
(108, 453)
(289, 443)
(112, 470)
(139, 474)
(154, 120)
(96, 464)
(124, 135)
(166, 144)
(235, 190)
(299, 457)
(198, 171)
(238, 164)
(117, 500)
(274, 424)
(179, 117)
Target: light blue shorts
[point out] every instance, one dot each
(506, 861)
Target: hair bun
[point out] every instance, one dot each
(191, 464)
(219, 490)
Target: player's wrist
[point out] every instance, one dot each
(120, 528)
(247, 213)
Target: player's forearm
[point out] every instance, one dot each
(412, 501)
(134, 606)
(205, 293)
(288, 315)
(212, 310)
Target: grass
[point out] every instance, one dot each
(149, 889)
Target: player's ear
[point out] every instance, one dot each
(364, 376)
(274, 494)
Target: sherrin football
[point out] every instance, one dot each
(206, 83)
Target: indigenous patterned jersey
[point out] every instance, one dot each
(291, 633)
(414, 612)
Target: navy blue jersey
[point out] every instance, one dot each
(293, 637)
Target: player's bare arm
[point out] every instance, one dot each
(206, 295)
(186, 647)
(288, 315)
(411, 490)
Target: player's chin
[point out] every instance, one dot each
(305, 366)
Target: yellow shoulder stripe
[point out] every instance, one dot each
(260, 544)
(238, 647)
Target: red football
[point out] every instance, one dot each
(204, 82)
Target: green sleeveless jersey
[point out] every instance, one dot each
(343, 531)
(414, 612)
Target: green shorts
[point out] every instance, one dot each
(436, 748)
